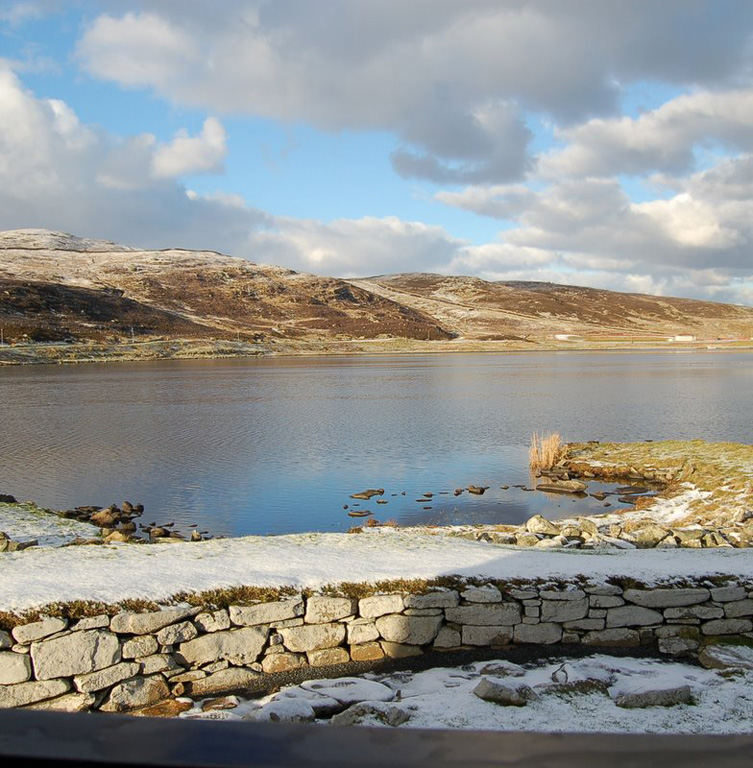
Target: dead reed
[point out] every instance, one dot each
(545, 451)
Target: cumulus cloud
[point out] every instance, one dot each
(451, 80)
(192, 154)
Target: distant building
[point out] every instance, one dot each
(682, 337)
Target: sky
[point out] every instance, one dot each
(591, 142)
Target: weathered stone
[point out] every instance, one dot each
(127, 623)
(140, 645)
(494, 637)
(167, 708)
(653, 697)
(448, 637)
(632, 616)
(597, 613)
(188, 677)
(75, 654)
(543, 634)
(160, 662)
(238, 646)
(727, 627)
(321, 609)
(28, 633)
(284, 711)
(583, 625)
(539, 524)
(726, 657)
(70, 702)
(738, 608)
(367, 652)
(648, 535)
(569, 594)
(669, 597)
(387, 714)
(399, 650)
(613, 638)
(677, 646)
(282, 662)
(444, 599)
(502, 693)
(564, 610)
(478, 615)
(177, 633)
(380, 605)
(523, 594)
(527, 539)
(328, 657)
(5, 640)
(488, 594)
(677, 630)
(215, 666)
(222, 702)
(562, 486)
(605, 601)
(266, 613)
(694, 612)
(91, 622)
(603, 589)
(225, 681)
(423, 612)
(27, 693)
(136, 693)
(313, 637)
(14, 668)
(411, 630)
(104, 678)
(727, 594)
(213, 621)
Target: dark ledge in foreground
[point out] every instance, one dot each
(56, 739)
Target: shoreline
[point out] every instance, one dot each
(183, 349)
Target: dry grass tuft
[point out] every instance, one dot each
(545, 451)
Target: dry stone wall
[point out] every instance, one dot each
(132, 661)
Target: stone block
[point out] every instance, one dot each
(503, 693)
(447, 638)
(213, 621)
(411, 630)
(266, 613)
(727, 594)
(613, 638)
(159, 662)
(238, 646)
(28, 693)
(140, 645)
(282, 662)
(328, 657)
(313, 637)
(380, 605)
(541, 634)
(605, 601)
(668, 696)
(488, 594)
(128, 623)
(488, 636)
(738, 608)
(225, 681)
(104, 678)
(367, 652)
(69, 702)
(75, 654)
(36, 630)
(632, 616)
(399, 651)
(101, 621)
(669, 597)
(14, 668)
(321, 609)
(727, 627)
(677, 646)
(603, 589)
(489, 615)
(564, 610)
(444, 599)
(584, 625)
(177, 633)
(136, 693)
(562, 594)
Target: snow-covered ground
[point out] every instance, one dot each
(443, 698)
(112, 573)
(24, 522)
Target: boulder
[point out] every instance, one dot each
(75, 654)
(5, 640)
(652, 695)
(738, 608)
(726, 657)
(400, 650)
(502, 693)
(410, 630)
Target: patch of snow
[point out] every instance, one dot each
(24, 522)
(112, 573)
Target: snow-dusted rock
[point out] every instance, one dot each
(650, 694)
(372, 712)
(284, 711)
(349, 690)
(503, 693)
(726, 657)
(75, 654)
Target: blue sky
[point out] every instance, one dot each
(599, 145)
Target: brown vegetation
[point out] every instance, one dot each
(545, 451)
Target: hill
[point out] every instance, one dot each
(55, 287)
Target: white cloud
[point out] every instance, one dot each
(192, 154)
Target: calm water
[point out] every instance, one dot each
(277, 445)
